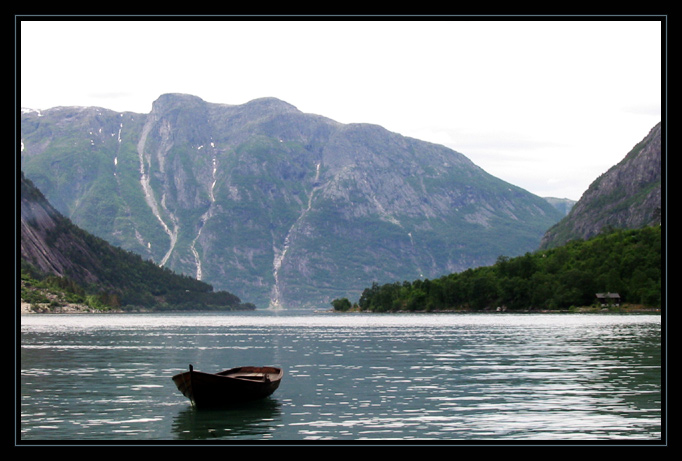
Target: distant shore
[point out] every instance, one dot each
(623, 309)
(29, 309)
(577, 310)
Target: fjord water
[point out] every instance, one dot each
(445, 377)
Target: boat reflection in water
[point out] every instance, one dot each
(248, 421)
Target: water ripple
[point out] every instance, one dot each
(352, 377)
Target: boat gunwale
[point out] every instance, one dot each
(234, 373)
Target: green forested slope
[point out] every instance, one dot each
(59, 257)
(627, 262)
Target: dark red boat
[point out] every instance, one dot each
(229, 387)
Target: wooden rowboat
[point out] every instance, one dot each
(229, 387)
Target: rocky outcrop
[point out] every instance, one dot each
(95, 274)
(43, 242)
(627, 196)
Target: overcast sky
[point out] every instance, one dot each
(545, 105)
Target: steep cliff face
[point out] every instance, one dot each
(41, 243)
(110, 276)
(280, 207)
(627, 196)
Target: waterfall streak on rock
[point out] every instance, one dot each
(149, 194)
(275, 300)
(202, 222)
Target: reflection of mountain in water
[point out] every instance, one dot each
(247, 421)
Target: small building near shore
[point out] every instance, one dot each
(608, 299)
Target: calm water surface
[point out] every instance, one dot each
(445, 377)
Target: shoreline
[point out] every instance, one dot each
(31, 309)
(624, 309)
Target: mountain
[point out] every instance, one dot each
(46, 246)
(627, 196)
(281, 207)
(562, 204)
(53, 246)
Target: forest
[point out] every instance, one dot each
(627, 262)
(145, 286)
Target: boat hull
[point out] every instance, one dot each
(229, 387)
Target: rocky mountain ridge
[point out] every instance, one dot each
(49, 250)
(280, 207)
(627, 196)
(97, 273)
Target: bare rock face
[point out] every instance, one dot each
(277, 206)
(627, 196)
(44, 242)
